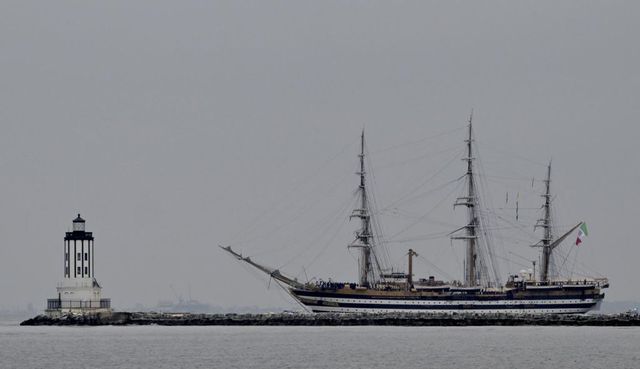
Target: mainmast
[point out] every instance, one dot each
(470, 201)
(364, 235)
(545, 224)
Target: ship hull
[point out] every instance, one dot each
(558, 302)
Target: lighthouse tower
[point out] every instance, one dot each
(79, 291)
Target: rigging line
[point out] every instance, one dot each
(524, 179)
(422, 194)
(398, 214)
(583, 267)
(510, 172)
(520, 256)
(407, 197)
(575, 258)
(488, 222)
(421, 238)
(566, 257)
(561, 269)
(517, 156)
(436, 268)
(590, 270)
(455, 255)
(586, 271)
(397, 261)
(406, 161)
(523, 190)
(521, 228)
(514, 226)
(513, 261)
(288, 194)
(417, 141)
(418, 237)
(255, 274)
(288, 293)
(514, 208)
(379, 238)
(492, 212)
(517, 240)
(503, 236)
(335, 223)
(324, 226)
(296, 217)
(331, 217)
(499, 228)
(455, 188)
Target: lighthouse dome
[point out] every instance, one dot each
(78, 224)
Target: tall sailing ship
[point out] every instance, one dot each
(377, 291)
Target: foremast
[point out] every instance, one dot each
(471, 202)
(364, 235)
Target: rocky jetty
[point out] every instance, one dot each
(351, 319)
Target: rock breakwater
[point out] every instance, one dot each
(354, 319)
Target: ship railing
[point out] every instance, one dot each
(598, 282)
(602, 282)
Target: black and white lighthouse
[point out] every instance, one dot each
(79, 290)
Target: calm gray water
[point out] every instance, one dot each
(319, 347)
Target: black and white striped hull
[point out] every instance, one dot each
(319, 302)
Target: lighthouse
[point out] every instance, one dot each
(79, 291)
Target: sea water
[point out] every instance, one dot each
(318, 347)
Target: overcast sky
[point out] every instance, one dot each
(174, 126)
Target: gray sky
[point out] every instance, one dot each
(175, 126)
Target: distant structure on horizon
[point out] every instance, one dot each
(79, 291)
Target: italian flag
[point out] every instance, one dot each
(582, 233)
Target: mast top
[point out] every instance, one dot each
(549, 171)
(468, 141)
